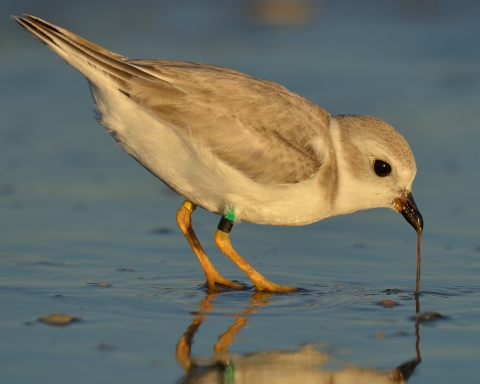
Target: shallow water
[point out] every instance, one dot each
(75, 209)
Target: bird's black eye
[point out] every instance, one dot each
(382, 168)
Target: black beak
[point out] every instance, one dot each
(407, 207)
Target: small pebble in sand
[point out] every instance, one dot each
(388, 303)
(101, 284)
(58, 319)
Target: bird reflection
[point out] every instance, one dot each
(184, 345)
(304, 365)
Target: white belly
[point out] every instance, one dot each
(187, 166)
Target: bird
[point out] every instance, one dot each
(244, 148)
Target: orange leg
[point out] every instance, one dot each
(261, 283)
(214, 280)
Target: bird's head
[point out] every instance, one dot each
(376, 167)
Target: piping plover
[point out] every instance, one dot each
(244, 148)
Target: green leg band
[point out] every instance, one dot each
(230, 214)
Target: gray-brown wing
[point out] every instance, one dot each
(256, 126)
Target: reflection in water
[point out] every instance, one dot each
(419, 267)
(417, 324)
(302, 366)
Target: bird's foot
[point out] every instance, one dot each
(278, 289)
(264, 285)
(220, 284)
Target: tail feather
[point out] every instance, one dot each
(78, 51)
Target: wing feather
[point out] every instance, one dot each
(256, 126)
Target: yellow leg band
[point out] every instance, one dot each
(189, 205)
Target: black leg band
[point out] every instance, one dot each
(225, 225)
